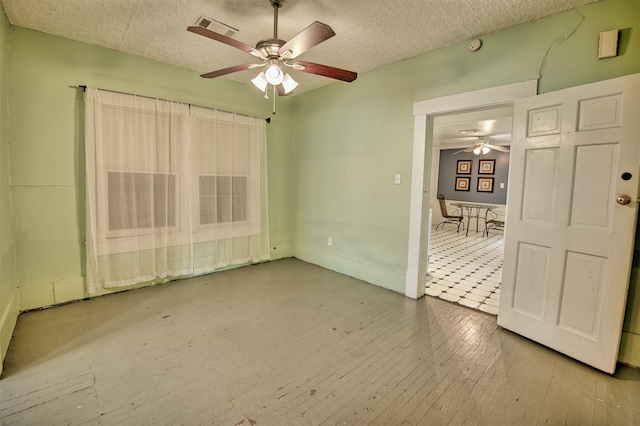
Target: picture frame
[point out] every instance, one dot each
(486, 167)
(464, 167)
(485, 184)
(463, 183)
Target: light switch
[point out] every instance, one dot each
(501, 185)
(608, 44)
(398, 180)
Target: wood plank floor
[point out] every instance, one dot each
(289, 343)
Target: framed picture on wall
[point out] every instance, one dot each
(464, 167)
(487, 167)
(485, 184)
(463, 183)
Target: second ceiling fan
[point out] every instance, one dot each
(277, 55)
(482, 146)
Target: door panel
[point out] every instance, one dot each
(568, 243)
(582, 294)
(594, 177)
(537, 200)
(533, 278)
(600, 113)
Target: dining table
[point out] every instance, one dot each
(473, 210)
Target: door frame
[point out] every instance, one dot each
(423, 115)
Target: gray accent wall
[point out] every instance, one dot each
(447, 177)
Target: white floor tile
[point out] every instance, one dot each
(450, 282)
(438, 287)
(469, 303)
(463, 287)
(493, 310)
(492, 302)
(475, 297)
(468, 283)
(457, 292)
(449, 297)
(486, 287)
(457, 276)
(480, 292)
(432, 292)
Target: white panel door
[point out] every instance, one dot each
(568, 241)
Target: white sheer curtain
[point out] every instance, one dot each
(172, 190)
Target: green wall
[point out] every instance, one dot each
(8, 283)
(47, 155)
(350, 140)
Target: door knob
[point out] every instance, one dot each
(623, 200)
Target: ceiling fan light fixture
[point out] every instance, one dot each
(481, 149)
(260, 81)
(288, 84)
(274, 74)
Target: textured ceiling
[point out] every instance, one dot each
(370, 33)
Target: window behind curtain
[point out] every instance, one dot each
(172, 190)
(222, 199)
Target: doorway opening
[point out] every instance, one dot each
(421, 175)
(470, 166)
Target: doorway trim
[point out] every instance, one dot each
(423, 115)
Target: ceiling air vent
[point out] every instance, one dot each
(216, 26)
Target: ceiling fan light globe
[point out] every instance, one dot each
(288, 84)
(477, 151)
(485, 150)
(274, 75)
(260, 82)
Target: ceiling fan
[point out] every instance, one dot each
(277, 55)
(482, 147)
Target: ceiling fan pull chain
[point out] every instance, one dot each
(274, 100)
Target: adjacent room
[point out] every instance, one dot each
(194, 230)
(471, 162)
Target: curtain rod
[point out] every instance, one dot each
(84, 89)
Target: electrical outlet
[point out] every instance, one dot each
(329, 241)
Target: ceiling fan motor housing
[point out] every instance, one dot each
(270, 47)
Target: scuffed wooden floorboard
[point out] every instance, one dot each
(289, 343)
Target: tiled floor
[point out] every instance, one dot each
(466, 269)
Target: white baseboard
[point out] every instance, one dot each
(7, 325)
(373, 274)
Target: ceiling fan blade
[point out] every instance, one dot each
(497, 148)
(325, 70)
(226, 40)
(311, 36)
(462, 139)
(229, 70)
(470, 149)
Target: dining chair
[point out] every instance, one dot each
(493, 219)
(455, 218)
